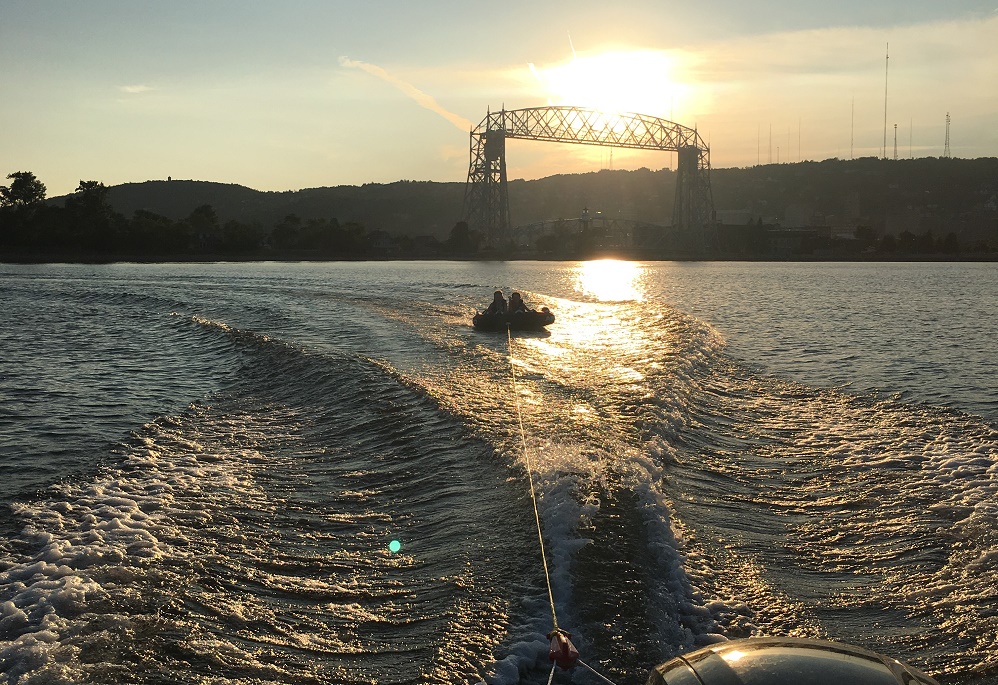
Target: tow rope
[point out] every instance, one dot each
(561, 652)
(530, 478)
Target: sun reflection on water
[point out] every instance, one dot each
(601, 332)
(611, 280)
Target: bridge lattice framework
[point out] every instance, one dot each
(486, 197)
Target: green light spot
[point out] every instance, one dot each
(394, 546)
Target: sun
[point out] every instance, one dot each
(638, 81)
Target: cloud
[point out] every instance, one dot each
(410, 91)
(135, 89)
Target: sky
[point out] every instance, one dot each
(311, 93)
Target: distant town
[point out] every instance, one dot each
(864, 209)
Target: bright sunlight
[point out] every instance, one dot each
(640, 81)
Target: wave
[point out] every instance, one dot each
(828, 511)
(685, 497)
(247, 538)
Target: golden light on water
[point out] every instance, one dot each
(611, 280)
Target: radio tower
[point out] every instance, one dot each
(887, 63)
(946, 146)
(895, 142)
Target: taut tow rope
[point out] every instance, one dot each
(561, 651)
(530, 476)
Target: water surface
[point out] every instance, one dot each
(203, 467)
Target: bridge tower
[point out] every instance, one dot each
(486, 198)
(693, 209)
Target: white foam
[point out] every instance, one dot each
(94, 544)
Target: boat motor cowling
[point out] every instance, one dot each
(785, 661)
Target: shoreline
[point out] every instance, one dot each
(76, 258)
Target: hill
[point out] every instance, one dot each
(404, 207)
(889, 197)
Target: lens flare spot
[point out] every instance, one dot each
(394, 546)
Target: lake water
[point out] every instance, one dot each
(202, 467)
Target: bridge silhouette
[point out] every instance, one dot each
(486, 196)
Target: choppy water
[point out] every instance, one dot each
(202, 467)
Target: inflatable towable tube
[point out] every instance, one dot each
(520, 321)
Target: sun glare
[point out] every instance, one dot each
(640, 81)
(610, 280)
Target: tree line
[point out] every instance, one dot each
(88, 227)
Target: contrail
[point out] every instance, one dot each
(421, 98)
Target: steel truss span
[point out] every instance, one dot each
(486, 200)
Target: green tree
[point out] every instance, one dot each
(865, 236)
(240, 238)
(24, 190)
(888, 244)
(951, 244)
(204, 219)
(153, 234)
(91, 198)
(21, 207)
(320, 234)
(926, 243)
(287, 234)
(353, 240)
(93, 222)
(462, 240)
(203, 222)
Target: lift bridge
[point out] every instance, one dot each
(486, 198)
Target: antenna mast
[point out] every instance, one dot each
(946, 146)
(887, 63)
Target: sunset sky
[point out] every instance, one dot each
(308, 93)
